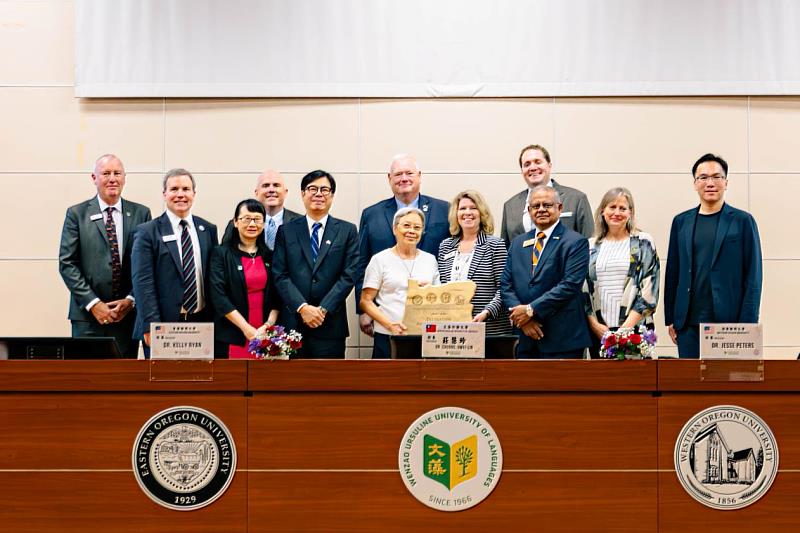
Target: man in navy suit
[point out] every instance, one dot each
(542, 282)
(170, 261)
(314, 267)
(375, 229)
(714, 261)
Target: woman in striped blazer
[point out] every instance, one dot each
(473, 253)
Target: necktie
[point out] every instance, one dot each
(272, 229)
(189, 279)
(315, 240)
(537, 249)
(116, 262)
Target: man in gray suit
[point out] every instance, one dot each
(95, 258)
(535, 165)
(271, 191)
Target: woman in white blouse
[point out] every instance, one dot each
(473, 253)
(621, 287)
(387, 275)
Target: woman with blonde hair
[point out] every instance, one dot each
(473, 253)
(621, 288)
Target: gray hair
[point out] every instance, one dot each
(407, 211)
(104, 157)
(174, 173)
(400, 157)
(548, 188)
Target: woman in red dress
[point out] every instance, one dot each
(241, 290)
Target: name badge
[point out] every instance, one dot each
(169, 238)
(448, 255)
(529, 242)
(98, 216)
(566, 214)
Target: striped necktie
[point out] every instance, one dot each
(189, 278)
(272, 229)
(537, 249)
(315, 240)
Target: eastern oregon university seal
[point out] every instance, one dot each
(184, 458)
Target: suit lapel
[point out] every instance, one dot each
(687, 238)
(303, 239)
(127, 227)
(165, 228)
(92, 210)
(477, 254)
(204, 239)
(328, 238)
(389, 209)
(722, 231)
(517, 208)
(549, 248)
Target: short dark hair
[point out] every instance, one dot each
(174, 173)
(254, 206)
(314, 175)
(539, 147)
(710, 157)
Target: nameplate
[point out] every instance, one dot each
(731, 341)
(454, 340)
(182, 340)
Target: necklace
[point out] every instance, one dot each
(251, 254)
(405, 262)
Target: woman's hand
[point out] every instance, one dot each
(397, 328)
(481, 317)
(249, 332)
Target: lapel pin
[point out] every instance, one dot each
(556, 238)
(425, 208)
(127, 213)
(328, 243)
(201, 227)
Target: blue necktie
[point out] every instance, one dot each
(272, 229)
(315, 240)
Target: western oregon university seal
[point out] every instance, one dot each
(726, 457)
(450, 459)
(184, 458)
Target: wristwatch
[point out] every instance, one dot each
(529, 310)
(324, 311)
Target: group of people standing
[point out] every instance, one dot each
(558, 277)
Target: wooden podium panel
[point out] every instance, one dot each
(776, 400)
(65, 462)
(325, 459)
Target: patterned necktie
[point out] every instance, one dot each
(272, 229)
(189, 279)
(315, 240)
(537, 249)
(116, 261)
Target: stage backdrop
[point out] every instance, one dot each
(422, 48)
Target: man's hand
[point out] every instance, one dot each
(533, 330)
(366, 324)
(673, 334)
(519, 315)
(312, 316)
(103, 313)
(147, 339)
(121, 307)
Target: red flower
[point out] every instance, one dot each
(274, 350)
(623, 341)
(636, 338)
(295, 345)
(610, 341)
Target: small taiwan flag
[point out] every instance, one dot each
(430, 328)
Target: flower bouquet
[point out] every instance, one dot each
(628, 343)
(275, 343)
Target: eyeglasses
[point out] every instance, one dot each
(715, 177)
(536, 207)
(258, 221)
(313, 190)
(405, 226)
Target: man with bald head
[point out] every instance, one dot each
(375, 229)
(95, 258)
(271, 191)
